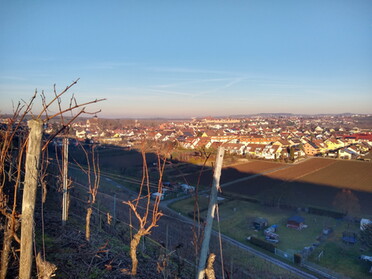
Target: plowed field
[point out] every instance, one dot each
(344, 174)
(299, 170)
(230, 173)
(244, 170)
(313, 182)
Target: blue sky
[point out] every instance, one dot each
(190, 58)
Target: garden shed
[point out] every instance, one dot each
(259, 223)
(296, 222)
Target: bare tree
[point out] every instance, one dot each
(209, 271)
(150, 215)
(347, 202)
(12, 166)
(93, 173)
(45, 269)
(11, 180)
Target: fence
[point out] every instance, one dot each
(289, 256)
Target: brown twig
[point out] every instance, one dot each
(56, 97)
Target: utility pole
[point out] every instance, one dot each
(29, 196)
(210, 215)
(65, 182)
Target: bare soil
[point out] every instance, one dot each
(314, 182)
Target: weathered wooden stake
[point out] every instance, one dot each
(114, 213)
(65, 182)
(29, 196)
(210, 215)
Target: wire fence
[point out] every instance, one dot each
(287, 255)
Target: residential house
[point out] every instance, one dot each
(81, 134)
(204, 142)
(311, 148)
(190, 143)
(354, 149)
(255, 150)
(296, 141)
(363, 147)
(271, 152)
(187, 133)
(322, 146)
(318, 130)
(235, 148)
(258, 140)
(298, 152)
(230, 139)
(333, 144)
(350, 139)
(364, 138)
(212, 133)
(153, 135)
(347, 153)
(283, 143)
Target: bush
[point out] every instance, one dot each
(297, 259)
(240, 197)
(326, 212)
(263, 244)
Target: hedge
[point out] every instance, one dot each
(326, 212)
(263, 244)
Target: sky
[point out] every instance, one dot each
(189, 58)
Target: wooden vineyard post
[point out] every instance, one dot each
(65, 182)
(29, 196)
(210, 215)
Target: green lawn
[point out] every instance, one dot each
(186, 206)
(344, 258)
(235, 221)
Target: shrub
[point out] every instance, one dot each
(263, 244)
(297, 259)
(326, 212)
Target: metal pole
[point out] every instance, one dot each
(64, 178)
(210, 215)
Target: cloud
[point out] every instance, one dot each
(13, 78)
(108, 65)
(167, 92)
(189, 70)
(190, 81)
